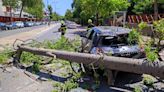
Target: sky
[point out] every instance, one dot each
(59, 6)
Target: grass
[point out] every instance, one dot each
(148, 80)
(137, 89)
(5, 55)
(3, 58)
(68, 85)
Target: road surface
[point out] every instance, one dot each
(28, 33)
(4, 33)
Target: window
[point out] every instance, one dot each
(118, 40)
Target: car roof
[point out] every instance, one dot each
(111, 30)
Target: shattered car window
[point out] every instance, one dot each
(116, 40)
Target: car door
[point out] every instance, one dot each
(87, 42)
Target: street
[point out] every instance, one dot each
(5, 33)
(23, 34)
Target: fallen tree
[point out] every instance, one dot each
(138, 66)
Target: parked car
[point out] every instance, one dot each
(28, 24)
(2, 26)
(35, 24)
(19, 24)
(110, 41)
(11, 25)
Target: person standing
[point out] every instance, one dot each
(63, 28)
(90, 24)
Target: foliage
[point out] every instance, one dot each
(32, 6)
(143, 6)
(76, 5)
(159, 31)
(36, 68)
(151, 55)
(148, 81)
(137, 89)
(97, 9)
(55, 16)
(142, 25)
(134, 36)
(50, 11)
(63, 44)
(3, 58)
(67, 85)
(68, 15)
(10, 3)
(5, 55)
(36, 10)
(28, 58)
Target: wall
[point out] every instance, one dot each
(1, 9)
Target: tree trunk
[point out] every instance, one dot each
(10, 14)
(138, 66)
(97, 19)
(21, 10)
(155, 10)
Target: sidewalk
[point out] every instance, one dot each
(15, 80)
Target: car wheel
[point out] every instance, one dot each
(6, 28)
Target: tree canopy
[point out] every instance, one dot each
(68, 15)
(145, 6)
(36, 10)
(98, 8)
(55, 16)
(11, 4)
(50, 11)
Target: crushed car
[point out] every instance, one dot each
(110, 40)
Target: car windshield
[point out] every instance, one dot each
(116, 40)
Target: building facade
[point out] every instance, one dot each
(7, 12)
(2, 9)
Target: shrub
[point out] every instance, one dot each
(148, 81)
(137, 89)
(5, 55)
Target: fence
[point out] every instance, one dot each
(10, 19)
(135, 19)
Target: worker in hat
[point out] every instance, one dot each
(62, 28)
(90, 24)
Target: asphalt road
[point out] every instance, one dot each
(5, 33)
(51, 34)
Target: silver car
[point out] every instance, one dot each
(19, 24)
(110, 40)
